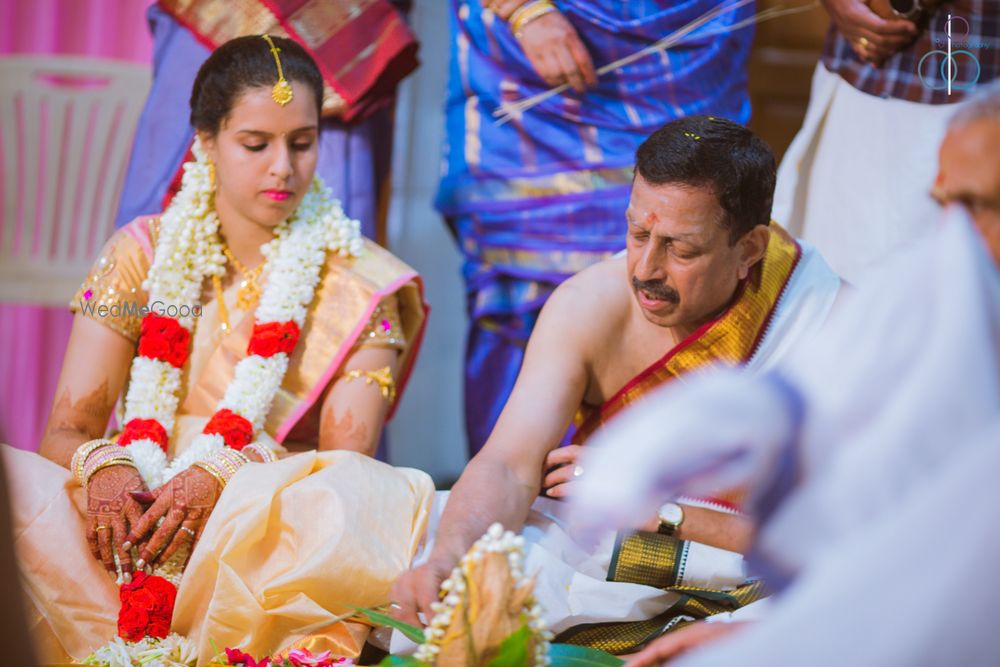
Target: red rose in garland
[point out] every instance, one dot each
(147, 606)
(165, 339)
(144, 429)
(234, 429)
(273, 337)
(164, 594)
(132, 623)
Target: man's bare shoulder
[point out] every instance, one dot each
(595, 301)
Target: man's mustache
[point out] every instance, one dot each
(657, 289)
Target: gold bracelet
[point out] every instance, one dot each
(382, 377)
(118, 461)
(223, 464)
(266, 454)
(527, 13)
(503, 8)
(81, 454)
(211, 470)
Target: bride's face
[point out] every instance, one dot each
(265, 156)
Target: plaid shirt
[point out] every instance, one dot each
(917, 73)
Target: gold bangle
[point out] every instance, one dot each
(504, 8)
(527, 13)
(121, 460)
(81, 454)
(211, 470)
(266, 454)
(382, 377)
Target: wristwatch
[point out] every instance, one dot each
(671, 517)
(906, 9)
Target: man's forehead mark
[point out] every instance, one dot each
(695, 235)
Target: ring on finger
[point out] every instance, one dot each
(187, 530)
(863, 42)
(100, 528)
(578, 471)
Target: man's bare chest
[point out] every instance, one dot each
(623, 357)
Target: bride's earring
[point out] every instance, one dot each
(211, 175)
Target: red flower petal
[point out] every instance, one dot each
(142, 429)
(164, 338)
(270, 338)
(234, 428)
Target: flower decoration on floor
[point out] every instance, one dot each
(488, 616)
(170, 651)
(297, 657)
(486, 599)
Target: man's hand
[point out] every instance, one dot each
(561, 471)
(671, 645)
(184, 503)
(111, 512)
(416, 589)
(556, 52)
(873, 37)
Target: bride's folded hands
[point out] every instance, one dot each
(111, 512)
(184, 503)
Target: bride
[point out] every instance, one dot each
(248, 322)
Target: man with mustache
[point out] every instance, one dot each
(706, 277)
(891, 439)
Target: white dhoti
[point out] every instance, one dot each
(855, 180)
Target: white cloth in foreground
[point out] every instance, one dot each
(916, 587)
(854, 182)
(885, 421)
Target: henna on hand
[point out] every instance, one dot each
(71, 423)
(346, 431)
(111, 511)
(185, 503)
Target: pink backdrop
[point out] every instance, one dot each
(33, 339)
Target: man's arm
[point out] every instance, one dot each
(501, 482)
(721, 530)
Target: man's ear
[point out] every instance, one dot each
(752, 247)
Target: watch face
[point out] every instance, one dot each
(671, 513)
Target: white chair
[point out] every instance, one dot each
(66, 129)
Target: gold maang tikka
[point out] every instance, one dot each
(281, 92)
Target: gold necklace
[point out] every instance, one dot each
(249, 292)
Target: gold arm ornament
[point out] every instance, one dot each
(382, 377)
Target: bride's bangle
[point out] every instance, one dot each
(81, 454)
(223, 464)
(102, 457)
(265, 453)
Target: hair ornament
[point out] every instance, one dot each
(281, 92)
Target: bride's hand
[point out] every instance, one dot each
(111, 512)
(185, 502)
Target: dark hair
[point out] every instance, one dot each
(708, 151)
(242, 63)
